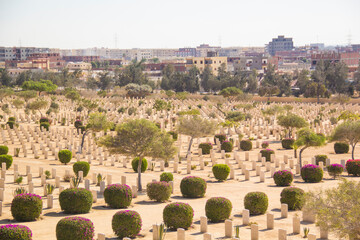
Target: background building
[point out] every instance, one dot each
(280, 44)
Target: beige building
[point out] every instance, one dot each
(201, 62)
(78, 66)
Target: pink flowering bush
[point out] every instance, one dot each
(283, 178)
(15, 232)
(126, 223)
(159, 191)
(26, 207)
(312, 173)
(335, 169)
(75, 228)
(265, 144)
(205, 147)
(218, 209)
(118, 195)
(353, 167)
(193, 187)
(75, 200)
(178, 215)
(266, 153)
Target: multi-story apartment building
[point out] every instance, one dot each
(186, 52)
(19, 53)
(78, 66)
(280, 44)
(81, 58)
(201, 62)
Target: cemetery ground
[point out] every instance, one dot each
(40, 155)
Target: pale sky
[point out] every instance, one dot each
(174, 24)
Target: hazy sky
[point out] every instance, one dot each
(173, 24)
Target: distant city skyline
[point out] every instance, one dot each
(169, 24)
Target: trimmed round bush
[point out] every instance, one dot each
(245, 145)
(44, 119)
(75, 200)
(6, 159)
(294, 197)
(221, 137)
(283, 178)
(118, 195)
(221, 171)
(159, 191)
(256, 202)
(341, 147)
(45, 125)
(178, 215)
(4, 150)
(312, 173)
(266, 153)
(81, 166)
(135, 164)
(126, 223)
(26, 207)
(287, 143)
(335, 169)
(320, 158)
(74, 228)
(11, 124)
(205, 147)
(166, 177)
(193, 187)
(218, 209)
(65, 156)
(227, 146)
(78, 123)
(353, 167)
(15, 232)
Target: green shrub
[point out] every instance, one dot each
(4, 150)
(220, 137)
(174, 135)
(193, 187)
(15, 232)
(26, 207)
(341, 147)
(245, 145)
(294, 197)
(159, 191)
(12, 119)
(353, 167)
(256, 202)
(221, 171)
(126, 223)
(166, 177)
(11, 124)
(118, 195)
(81, 166)
(205, 147)
(65, 156)
(266, 153)
(283, 178)
(45, 125)
(78, 123)
(287, 143)
(75, 200)
(74, 228)
(320, 158)
(218, 209)
(227, 146)
(178, 215)
(311, 173)
(135, 164)
(6, 159)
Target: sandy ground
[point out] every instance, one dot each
(151, 212)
